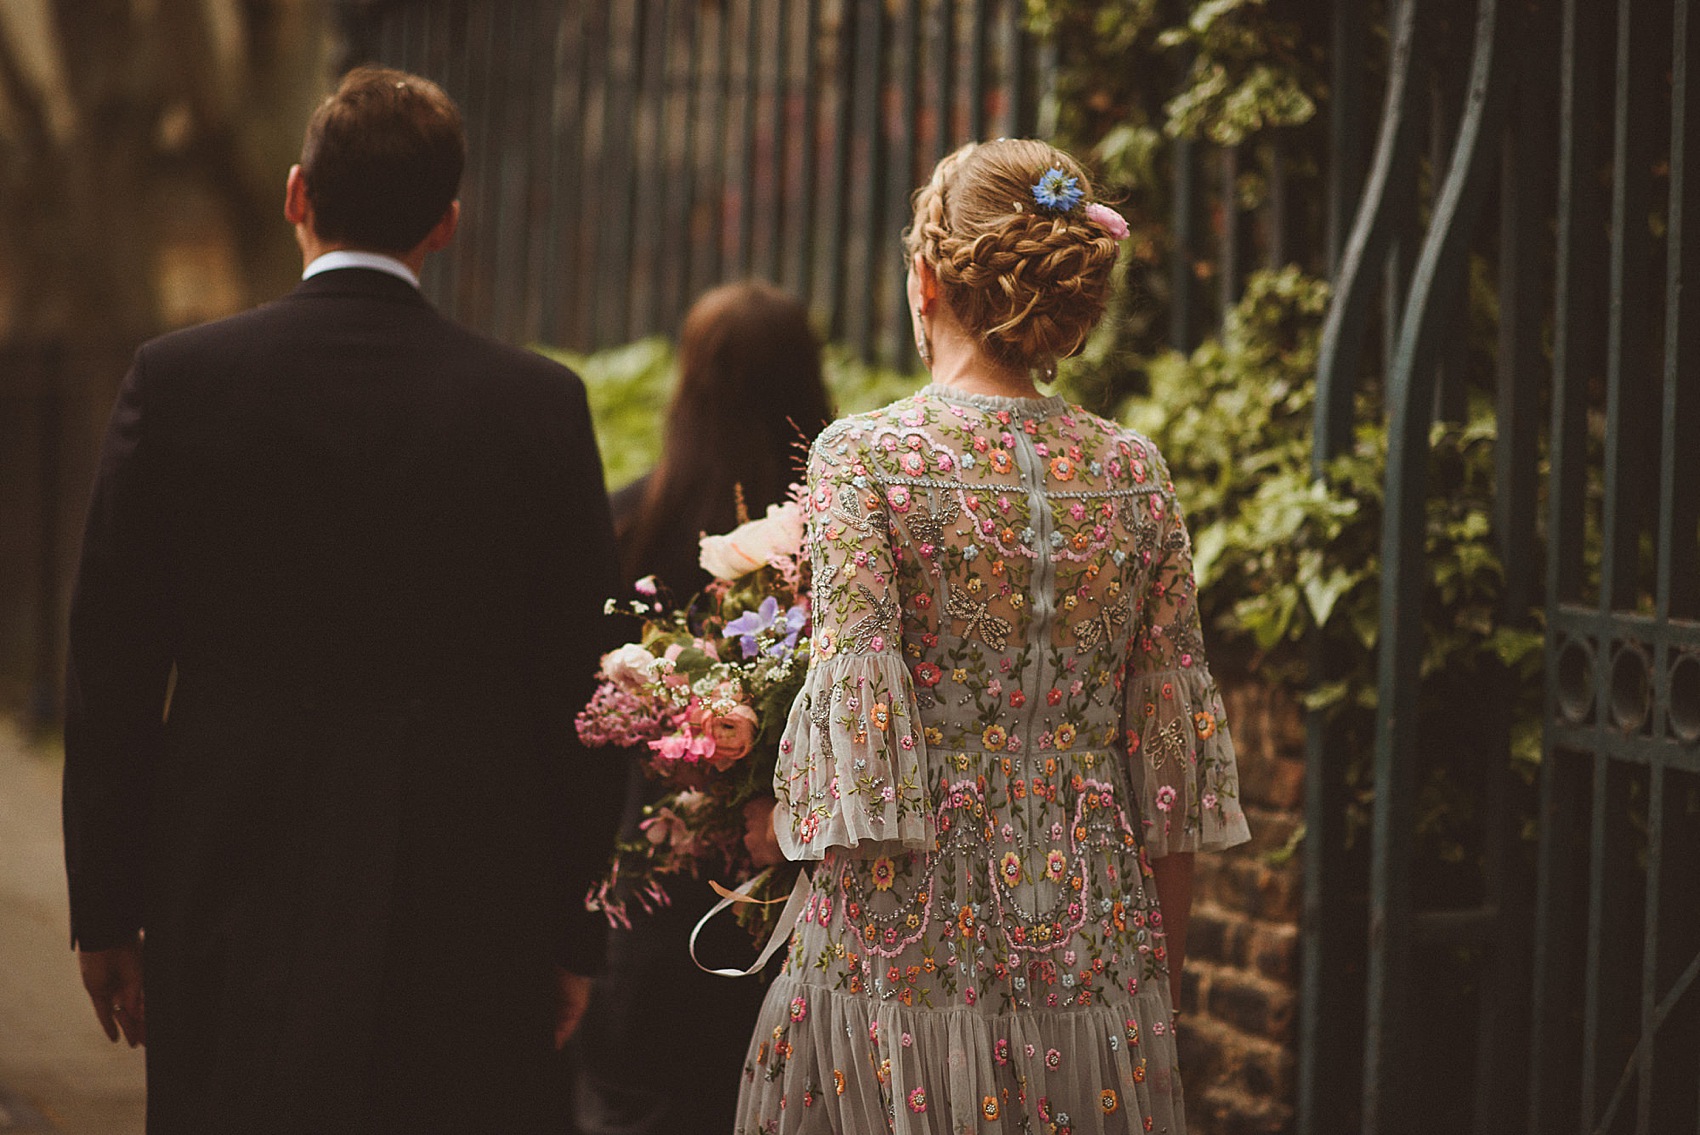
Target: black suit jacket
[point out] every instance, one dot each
(375, 547)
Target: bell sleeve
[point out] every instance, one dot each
(852, 760)
(1183, 770)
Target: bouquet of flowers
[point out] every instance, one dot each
(704, 695)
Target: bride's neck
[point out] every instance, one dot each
(961, 363)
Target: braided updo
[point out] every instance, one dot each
(1029, 283)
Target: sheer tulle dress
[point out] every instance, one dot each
(1007, 715)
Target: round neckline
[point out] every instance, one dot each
(1041, 407)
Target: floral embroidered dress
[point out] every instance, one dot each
(1007, 711)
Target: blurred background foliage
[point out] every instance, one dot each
(629, 388)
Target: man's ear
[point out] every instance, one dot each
(295, 208)
(444, 230)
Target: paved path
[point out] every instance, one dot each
(58, 1073)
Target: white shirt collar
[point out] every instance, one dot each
(349, 258)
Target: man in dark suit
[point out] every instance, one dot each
(332, 876)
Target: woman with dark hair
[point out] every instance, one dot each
(748, 403)
(749, 400)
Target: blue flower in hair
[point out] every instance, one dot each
(1056, 192)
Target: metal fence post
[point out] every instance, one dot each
(1441, 271)
(1325, 1048)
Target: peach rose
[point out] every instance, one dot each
(734, 736)
(754, 544)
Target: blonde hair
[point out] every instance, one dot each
(1029, 283)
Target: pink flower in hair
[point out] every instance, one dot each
(1108, 219)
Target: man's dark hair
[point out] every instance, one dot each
(382, 160)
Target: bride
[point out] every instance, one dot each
(1010, 744)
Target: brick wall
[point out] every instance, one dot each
(1239, 1030)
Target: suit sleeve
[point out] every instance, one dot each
(578, 577)
(120, 655)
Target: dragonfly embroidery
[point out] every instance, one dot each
(1169, 742)
(1100, 629)
(992, 629)
(928, 526)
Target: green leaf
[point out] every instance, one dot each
(694, 661)
(1208, 544)
(1321, 594)
(1516, 647)
(1324, 695)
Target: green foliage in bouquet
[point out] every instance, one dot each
(1281, 556)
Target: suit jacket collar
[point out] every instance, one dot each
(366, 283)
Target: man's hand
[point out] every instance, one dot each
(572, 997)
(114, 981)
(759, 839)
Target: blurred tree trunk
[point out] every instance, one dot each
(143, 148)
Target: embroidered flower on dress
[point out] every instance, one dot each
(884, 874)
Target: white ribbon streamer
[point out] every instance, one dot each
(781, 931)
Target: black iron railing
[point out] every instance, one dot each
(629, 154)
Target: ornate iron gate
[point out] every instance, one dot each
(1582, 110)
(1618, 948)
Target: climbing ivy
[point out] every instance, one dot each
(1282, 555)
